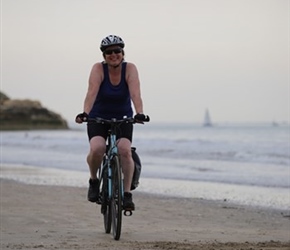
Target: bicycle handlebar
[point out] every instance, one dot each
(115, 121)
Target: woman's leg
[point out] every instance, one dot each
(127, 163)
(95, 156)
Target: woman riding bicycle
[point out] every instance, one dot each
(113, 83)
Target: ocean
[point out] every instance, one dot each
(245, 164)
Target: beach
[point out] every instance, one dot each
(221, 188)
(60, 217)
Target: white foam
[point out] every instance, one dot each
(44, 176)
(278, 198)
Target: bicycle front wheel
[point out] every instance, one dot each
(116, 202)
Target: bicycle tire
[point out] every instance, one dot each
(116, 201)
(106, 209)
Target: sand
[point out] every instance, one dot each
(55, 217)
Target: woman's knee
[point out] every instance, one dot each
(124, 148)
(97, 146)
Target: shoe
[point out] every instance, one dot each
(93, 193)
(128, 202)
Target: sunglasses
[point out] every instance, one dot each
(111, 51)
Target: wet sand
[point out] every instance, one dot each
(55, 217)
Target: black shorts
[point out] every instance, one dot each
(124, 130)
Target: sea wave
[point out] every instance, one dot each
(239, 155)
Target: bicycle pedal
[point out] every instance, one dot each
(128, 212)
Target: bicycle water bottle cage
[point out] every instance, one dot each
(128, 212)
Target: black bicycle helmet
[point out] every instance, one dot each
(111, 40)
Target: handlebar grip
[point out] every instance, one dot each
(141, 118)
(147, 118)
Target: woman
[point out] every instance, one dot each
(113, 83)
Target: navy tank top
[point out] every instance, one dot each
(112, 101)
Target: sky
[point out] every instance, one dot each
(230, 56)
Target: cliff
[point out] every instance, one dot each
(27, 114)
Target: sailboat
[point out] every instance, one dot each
(207, 120)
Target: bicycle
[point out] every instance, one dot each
(111, 180)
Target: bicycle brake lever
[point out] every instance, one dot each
(140, 122)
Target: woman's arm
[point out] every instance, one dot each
(95, 80)
(133, 82)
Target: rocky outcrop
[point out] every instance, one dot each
(27, 114)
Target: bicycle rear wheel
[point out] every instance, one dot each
(106, 204)
(116, 202)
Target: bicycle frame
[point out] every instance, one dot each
(111, 182)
